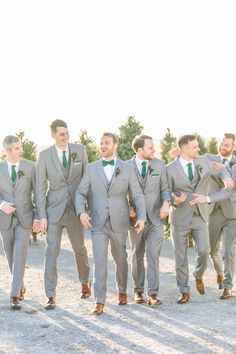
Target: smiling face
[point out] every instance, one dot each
(226, 147)
(108, 147)
(147, 152)
(15, 152)
(61, 136)
(190, 150)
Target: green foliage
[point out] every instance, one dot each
(127, 133)
(29, 147)
(212, 146)
(167, 143)
(201, 144)
(90, 146)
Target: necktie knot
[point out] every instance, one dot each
(224, 161)
(64, 159)
(190, 171)
(144, 169)
(108, 162)
(13, 172)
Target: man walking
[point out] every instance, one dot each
(151, 173)
(105, 186)
(17, 213)
(59, 172)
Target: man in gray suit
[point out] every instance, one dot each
(151, 173)
(187, 175)
(17, 212)
(59, 172)
(105, 186)
(223, 220)
(220, 222)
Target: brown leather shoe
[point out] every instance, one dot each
(51, 304)
(219, 279)
(138, 298)
(14, 303)
(153, 300)
(122, 299)
(86, 290)
(98, 309)
(200, 286)
(226, 294)
(183, 299)
(22, 293)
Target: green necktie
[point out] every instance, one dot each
(224, 161)
(108, 162)
(13, 172)
(144, 169)
(190, 171)
(64, 159)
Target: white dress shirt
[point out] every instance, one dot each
(109, 169)
(228, 158)
(184, 164)
(139, 164)
(60, 153)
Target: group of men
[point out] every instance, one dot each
(112, 197)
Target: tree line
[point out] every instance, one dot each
(126, 134)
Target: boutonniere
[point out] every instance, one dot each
(117, 171)
(150, 169)
(20, 173)
(231, 164)
(199, 168)
(74, 157)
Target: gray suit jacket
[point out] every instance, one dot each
(110, 199)
(54, 189)
(178, 182)
(19, 192)
(227, 198)
(216, 184)
(154, 187)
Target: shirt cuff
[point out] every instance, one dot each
(208, 199)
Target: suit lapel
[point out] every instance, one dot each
(181, 171)
(117, 166)
(56, 161)
(6, 173)
(71, 162)
(102, 173)
(140, 178)
(21, 167)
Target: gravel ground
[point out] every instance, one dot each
(204, 325)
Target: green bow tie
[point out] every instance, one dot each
(108, 162)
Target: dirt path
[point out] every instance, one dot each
(205, 325)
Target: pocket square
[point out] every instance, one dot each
(77, 162)
(155, 174)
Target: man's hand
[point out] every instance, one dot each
(8, 208)
(164, 211)
(200, 199)
(180, 199)
(84, 218)
(44, 226)
(36, 226)
(229, 183)
(139, 226)
(218, 165)
(132, 213)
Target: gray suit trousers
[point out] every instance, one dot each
(149, 240)
(199, 231)
(219, 226)
(15, 243)
(70, 221)
(100, 241)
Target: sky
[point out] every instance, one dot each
(93, 63)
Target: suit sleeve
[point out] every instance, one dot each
(165, 193)
(41, 187)
(82, 192)
(137, 195)
(34, 194)
(224, 193)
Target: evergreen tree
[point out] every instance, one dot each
(212, 146)
(168, 142)
(90, 146)
(201, 144)
(29, 147)
(127, 133)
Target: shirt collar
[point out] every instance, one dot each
(184, 162)
(9, 164)
(60, 150)
(140, 161)
(228, 158)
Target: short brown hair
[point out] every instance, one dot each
(185, 139)
(57, 123)
(229, 136)
(111, 135)
(139, 141)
